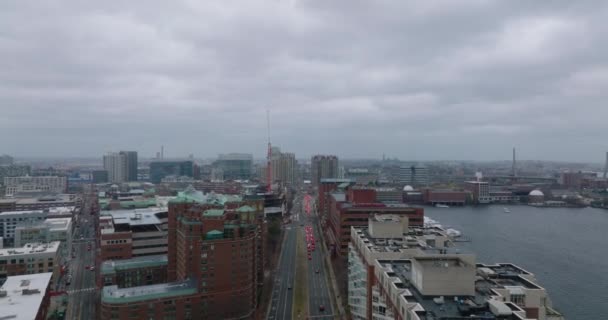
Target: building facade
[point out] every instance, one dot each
(166, 168)
(130, 164)
(36, 184)
(214, 263)
(14, 170)
(284, 167)
(29, 259)
(234, 166)
(116, 166)
(323, 167)
(416, 176)
(480, 191)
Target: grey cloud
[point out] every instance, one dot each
(415, 79)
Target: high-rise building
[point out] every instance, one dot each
(6, 160)
(131, 165)
(235, 166)
(323, 167)
(38, 184)
(116, 166)
(284, 166)
(415, 176)
(176, 168)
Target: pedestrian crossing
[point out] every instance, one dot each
(81, 290)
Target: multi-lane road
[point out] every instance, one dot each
(319, 299)
(82, 291)
(281, 303)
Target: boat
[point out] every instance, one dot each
(441, 206)
(506, 210)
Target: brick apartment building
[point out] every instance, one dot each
(352, 207)
(214, 264)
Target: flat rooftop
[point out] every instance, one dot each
(112, 294)
(112, 266)
(136, 217)
(31, 248)
(445, 307)
(415, 238)
(22, 305)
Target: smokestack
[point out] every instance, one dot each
(606, 166)
(514, 171)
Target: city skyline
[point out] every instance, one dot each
(360, 80)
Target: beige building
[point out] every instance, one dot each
(29, 259)
(37, 184)
(396, 272)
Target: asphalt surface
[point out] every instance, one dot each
(82, 291)
(281, 302)
(318, 286)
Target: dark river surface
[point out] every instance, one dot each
(566, 248)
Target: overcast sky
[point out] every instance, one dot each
(450, 79)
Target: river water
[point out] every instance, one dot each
(565, 248)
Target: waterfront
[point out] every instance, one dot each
(565, 248)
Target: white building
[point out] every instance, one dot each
(37, 184)
(25, 297)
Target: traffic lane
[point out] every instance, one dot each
(280, 296)
(322, 294)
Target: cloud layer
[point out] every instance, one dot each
(415, 79)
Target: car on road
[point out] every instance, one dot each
(289, 288)
(309, 257)
(87, 267)
(317, 271)
(321, 308)
(92, 268)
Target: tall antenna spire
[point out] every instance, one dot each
(269, 156)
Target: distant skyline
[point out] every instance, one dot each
(418, 80)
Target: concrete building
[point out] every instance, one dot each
(130, 164)
(536, 198)
(36, 184)
(323, 167)
(389, 195)
(31, 258)
(25, 297)
(166, 168)
(125, 234)
(49, 230)
(14, 170)
(134, 272)
(215, 263)
(9, 220)
(234, 166)
(284, 167)
(416, 176)
(397, 272)
(116, 166)
(39, 203)
(361, 175)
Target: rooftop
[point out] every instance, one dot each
(111, 266)
(135, 217)
(24, 295)
(31, 248)
(113, 294)
(442, 307)
(195, 196)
